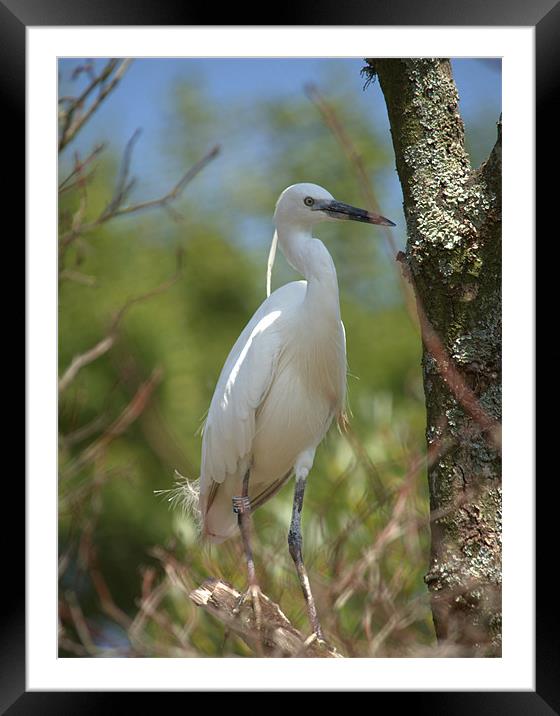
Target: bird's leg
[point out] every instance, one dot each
(295, 546)
(242, 507)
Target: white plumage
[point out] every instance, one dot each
(282, 384)
(285, 378)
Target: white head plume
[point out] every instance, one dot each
(270, 264)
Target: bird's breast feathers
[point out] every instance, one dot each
(313, 362)
(286, 376)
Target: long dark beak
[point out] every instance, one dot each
(339, 210)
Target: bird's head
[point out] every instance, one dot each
(308, 204)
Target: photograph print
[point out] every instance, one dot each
(279, 355)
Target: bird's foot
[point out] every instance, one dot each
(253, 592)
(318, 638)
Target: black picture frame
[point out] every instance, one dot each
(544, 15)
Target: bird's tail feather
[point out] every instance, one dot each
(185, 496)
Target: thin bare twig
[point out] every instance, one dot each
(432, 341)
(79, 166)
(78, 277)
(356, 162)
(175, 191)
(115, 209)
(393, 528)
(448, 369)
(80, 624)
(74, 122)
(84, 359)
(106, 343)
(123, 186)
(131, 413)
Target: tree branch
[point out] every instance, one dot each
(106, 343)
(278, 637)
(339, 132)
(433, 343)
(80, 361)
(79, 166)
(115, 207)
(453, 263)
(130, 413)
(72, 122)
(490, 173)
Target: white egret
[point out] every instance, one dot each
(281, 386)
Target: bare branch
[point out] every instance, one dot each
(448, 370)
(432, 341)
(107, 343)
(79, 166)
(333, 122)
(278, 637)
(84, 359)
(84, 432)
(123, 186)
(131, 413)
(80, 624)
(115, 209)
(78, 277)
(336, 126)
(72, 122)
(175, 191)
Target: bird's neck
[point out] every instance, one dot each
(311, 258)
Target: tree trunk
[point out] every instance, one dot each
(453, 259)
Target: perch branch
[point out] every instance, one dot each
(278, 637)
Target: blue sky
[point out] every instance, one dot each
(144, 99)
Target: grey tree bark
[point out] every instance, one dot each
(453, 260)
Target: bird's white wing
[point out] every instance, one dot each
(244, 381)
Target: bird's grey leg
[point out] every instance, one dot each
(242, 507)
(295, 546)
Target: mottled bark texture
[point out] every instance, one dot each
(453, 216)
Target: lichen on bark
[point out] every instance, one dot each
(453, 216)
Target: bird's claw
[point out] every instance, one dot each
(319, 639)
(316, 636)
(254, 592)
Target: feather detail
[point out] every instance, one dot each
(185, 496)
(270, 264)
(343, 422)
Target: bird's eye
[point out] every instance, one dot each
(308, 201)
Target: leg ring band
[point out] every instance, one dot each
(241, 504)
